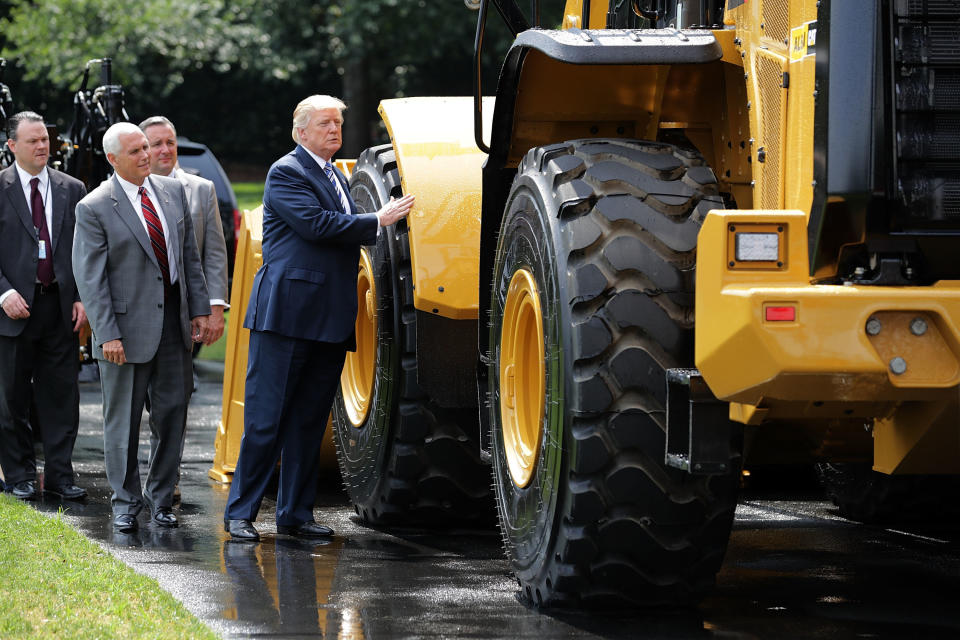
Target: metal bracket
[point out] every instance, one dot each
(700, 435)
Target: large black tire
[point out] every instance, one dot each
(608, 230)
(410, 461)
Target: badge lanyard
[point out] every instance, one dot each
(42, 245)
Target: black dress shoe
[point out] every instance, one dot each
(67, 491)
(24, 490)
(241, 530)
(306, 530)
(165, 517)
(125, 522)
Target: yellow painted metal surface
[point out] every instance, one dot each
(921, 437)
(772, 39)
(706, 103)
(522, 376)
(230, 428)
(573, 15)
(440, 164)
(825, 357)
(356, 380)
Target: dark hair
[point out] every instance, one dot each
(13, 122)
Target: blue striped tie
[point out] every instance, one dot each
(328, 169)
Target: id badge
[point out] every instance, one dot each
(43, 249)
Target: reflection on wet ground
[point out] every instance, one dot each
(793, 569)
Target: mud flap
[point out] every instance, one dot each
(700, 435)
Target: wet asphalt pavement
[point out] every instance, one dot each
(794, 568)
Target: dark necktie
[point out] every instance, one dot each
(155, 230)
(45, 264)
(328, 169)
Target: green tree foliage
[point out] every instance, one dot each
(153, 44)
(230, 72)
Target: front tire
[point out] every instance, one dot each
(403, 458)
(595, 261)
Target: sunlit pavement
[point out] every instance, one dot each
(793, 569)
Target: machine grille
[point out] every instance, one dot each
(926, 8)
(770, 81)
(926, 79)
(776, 19)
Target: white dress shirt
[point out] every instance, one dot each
(44, 188)
(339, 188)
(132, 192)
(45, 192)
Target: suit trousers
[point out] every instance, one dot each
(167, 380)
(291, 384)
(41, 364)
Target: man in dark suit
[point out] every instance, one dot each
(302, 311)
(41, 313)
(139, 275)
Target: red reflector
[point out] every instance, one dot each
(781, 314)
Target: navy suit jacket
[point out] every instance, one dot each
(307, 286)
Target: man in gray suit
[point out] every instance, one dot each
(207, 226)
(40, 313)
(139, 275)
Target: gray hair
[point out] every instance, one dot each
(153, 121)
(13, 122)
(111, 139)
(306, 108)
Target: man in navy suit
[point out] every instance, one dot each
(301, 317)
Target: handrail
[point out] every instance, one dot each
(516, 23)
(478, 79)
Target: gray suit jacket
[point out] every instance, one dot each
(207, 226)
(117, 271)
(18, 243)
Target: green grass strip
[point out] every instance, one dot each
(54, 583)
(249, 194)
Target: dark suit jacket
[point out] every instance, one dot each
(18, 243)
(307, 286)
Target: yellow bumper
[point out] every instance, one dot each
(827, 353)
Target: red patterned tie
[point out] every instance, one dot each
(156, 235)
(45, 264)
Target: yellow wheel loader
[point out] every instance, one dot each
(679, 238)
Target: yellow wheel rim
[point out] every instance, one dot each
(356, 381)
(522, 376)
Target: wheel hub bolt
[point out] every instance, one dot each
(898, 366)
(918, 326)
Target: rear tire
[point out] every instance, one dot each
(607, 231)
(404, 459)
(867, 496)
